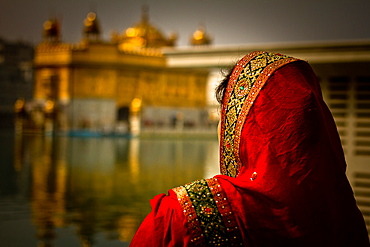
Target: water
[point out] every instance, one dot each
(60, 191)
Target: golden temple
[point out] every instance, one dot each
(93, 84)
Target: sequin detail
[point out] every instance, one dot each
(253, 176)
(246, 81)
(208, 213)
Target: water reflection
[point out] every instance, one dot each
(90, 191)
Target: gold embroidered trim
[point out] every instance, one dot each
(208, 214)
(191, 216)
(246, 81)
(226, 212)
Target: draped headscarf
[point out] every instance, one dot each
(283, 167)
(282, 181)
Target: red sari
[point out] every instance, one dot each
(282, 181)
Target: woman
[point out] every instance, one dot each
(283, 179)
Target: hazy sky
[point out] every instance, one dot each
(227, 21)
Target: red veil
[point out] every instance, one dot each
(283, 179)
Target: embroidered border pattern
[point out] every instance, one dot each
(227, 214)
(246, 81)
(208, 213)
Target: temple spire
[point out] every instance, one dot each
(145, 13)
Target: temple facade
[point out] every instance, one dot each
(102, 86)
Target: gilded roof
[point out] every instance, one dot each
(144, 34)
(51, 30)
(200, 37)
(91, 25)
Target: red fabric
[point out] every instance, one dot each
(300, 196)
(164, 226)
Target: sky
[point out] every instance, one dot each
(228, 22)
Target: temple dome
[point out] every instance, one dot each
(51, 30)
(91, 27)
(91, 24)
(144, 34)
(200, 37)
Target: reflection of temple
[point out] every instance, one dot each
(48, 185)
(95, 84)
(99, 187)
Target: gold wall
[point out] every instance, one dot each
(103, 71)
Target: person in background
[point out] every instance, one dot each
(282, 166)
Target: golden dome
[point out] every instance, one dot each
(143, 34)
(51, 30)
(91, 24)
(200, 37)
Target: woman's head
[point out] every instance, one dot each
(271, 111)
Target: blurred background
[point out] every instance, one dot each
(104, 104)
